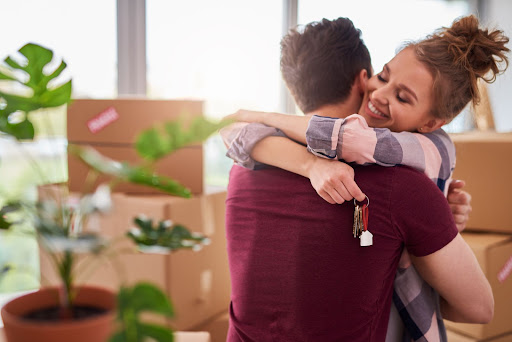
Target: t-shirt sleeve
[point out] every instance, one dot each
(240, 139)
(420, 213)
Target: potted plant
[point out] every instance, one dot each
(58, 223)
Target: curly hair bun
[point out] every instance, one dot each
(477, 50)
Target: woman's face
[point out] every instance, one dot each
(400, 96)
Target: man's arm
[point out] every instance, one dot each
(454, 272)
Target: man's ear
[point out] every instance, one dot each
(362, 81)
(432, 125)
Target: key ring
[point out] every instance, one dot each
(367, 199)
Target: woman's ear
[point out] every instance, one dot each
(432, 125)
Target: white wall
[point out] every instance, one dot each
(498, 13)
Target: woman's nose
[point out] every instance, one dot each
(381, 95)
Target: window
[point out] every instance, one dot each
(84, 33)
(224, 52)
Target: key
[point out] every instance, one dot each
(355, 228)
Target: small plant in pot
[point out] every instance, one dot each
(59, 222)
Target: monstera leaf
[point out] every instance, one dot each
(127, 173)
(30, 76)
(155, 143)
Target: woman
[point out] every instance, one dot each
(425, 86)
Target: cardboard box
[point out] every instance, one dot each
(217, 327)
(191, 336)
(198, 283)
(455, 337)
(494, 254)
(112, 126)
(484, 161)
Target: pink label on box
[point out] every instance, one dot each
(102, 120)
(505, 271)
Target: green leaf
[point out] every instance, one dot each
(154, 143)
(22, 130)
(5, 223)
(118, 337)
(162, 183)
(143, 297)
(41, 96)
(164, 237)
(147, 297)
(127, 173)
(159, 333)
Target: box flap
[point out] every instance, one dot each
(481, 137)
(484, 241)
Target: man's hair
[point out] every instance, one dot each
(320, 63)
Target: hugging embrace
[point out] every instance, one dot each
(371, 141)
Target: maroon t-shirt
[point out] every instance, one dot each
(297, 272)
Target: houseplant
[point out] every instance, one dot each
(58, 223)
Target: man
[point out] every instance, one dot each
(314, 86)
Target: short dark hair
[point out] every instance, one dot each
(320, 63)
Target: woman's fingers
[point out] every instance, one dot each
(326, 196)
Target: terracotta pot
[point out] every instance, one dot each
(95, 329)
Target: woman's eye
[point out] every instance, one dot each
(381, 78)
(400, 99)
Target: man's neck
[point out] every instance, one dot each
(338, 110)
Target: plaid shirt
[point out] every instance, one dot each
(352, 140)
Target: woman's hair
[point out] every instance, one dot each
(457, 57)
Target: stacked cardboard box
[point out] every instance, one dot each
(197, 282)
(217, 327)
(484, 162)
(112, 126)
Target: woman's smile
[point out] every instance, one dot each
(374, 112)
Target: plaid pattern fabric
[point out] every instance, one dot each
(352, 140)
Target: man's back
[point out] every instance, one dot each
(298, 274)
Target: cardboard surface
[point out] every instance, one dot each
(217, 327)
(484, 161)
(197, 282)
(492, 251)
(135, 115)
(117, 123)
(455, 337)
(191, 336)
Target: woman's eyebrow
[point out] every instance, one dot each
(408, 90)
(401, 85)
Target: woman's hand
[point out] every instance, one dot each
(334, 181)
(247, 116)
(460, 203)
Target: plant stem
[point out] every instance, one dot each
(65, 270)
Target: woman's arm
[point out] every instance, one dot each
(294, 126)
(333, 180)
(352, 140)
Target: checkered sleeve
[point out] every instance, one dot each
(240, 139)
(352, 140)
